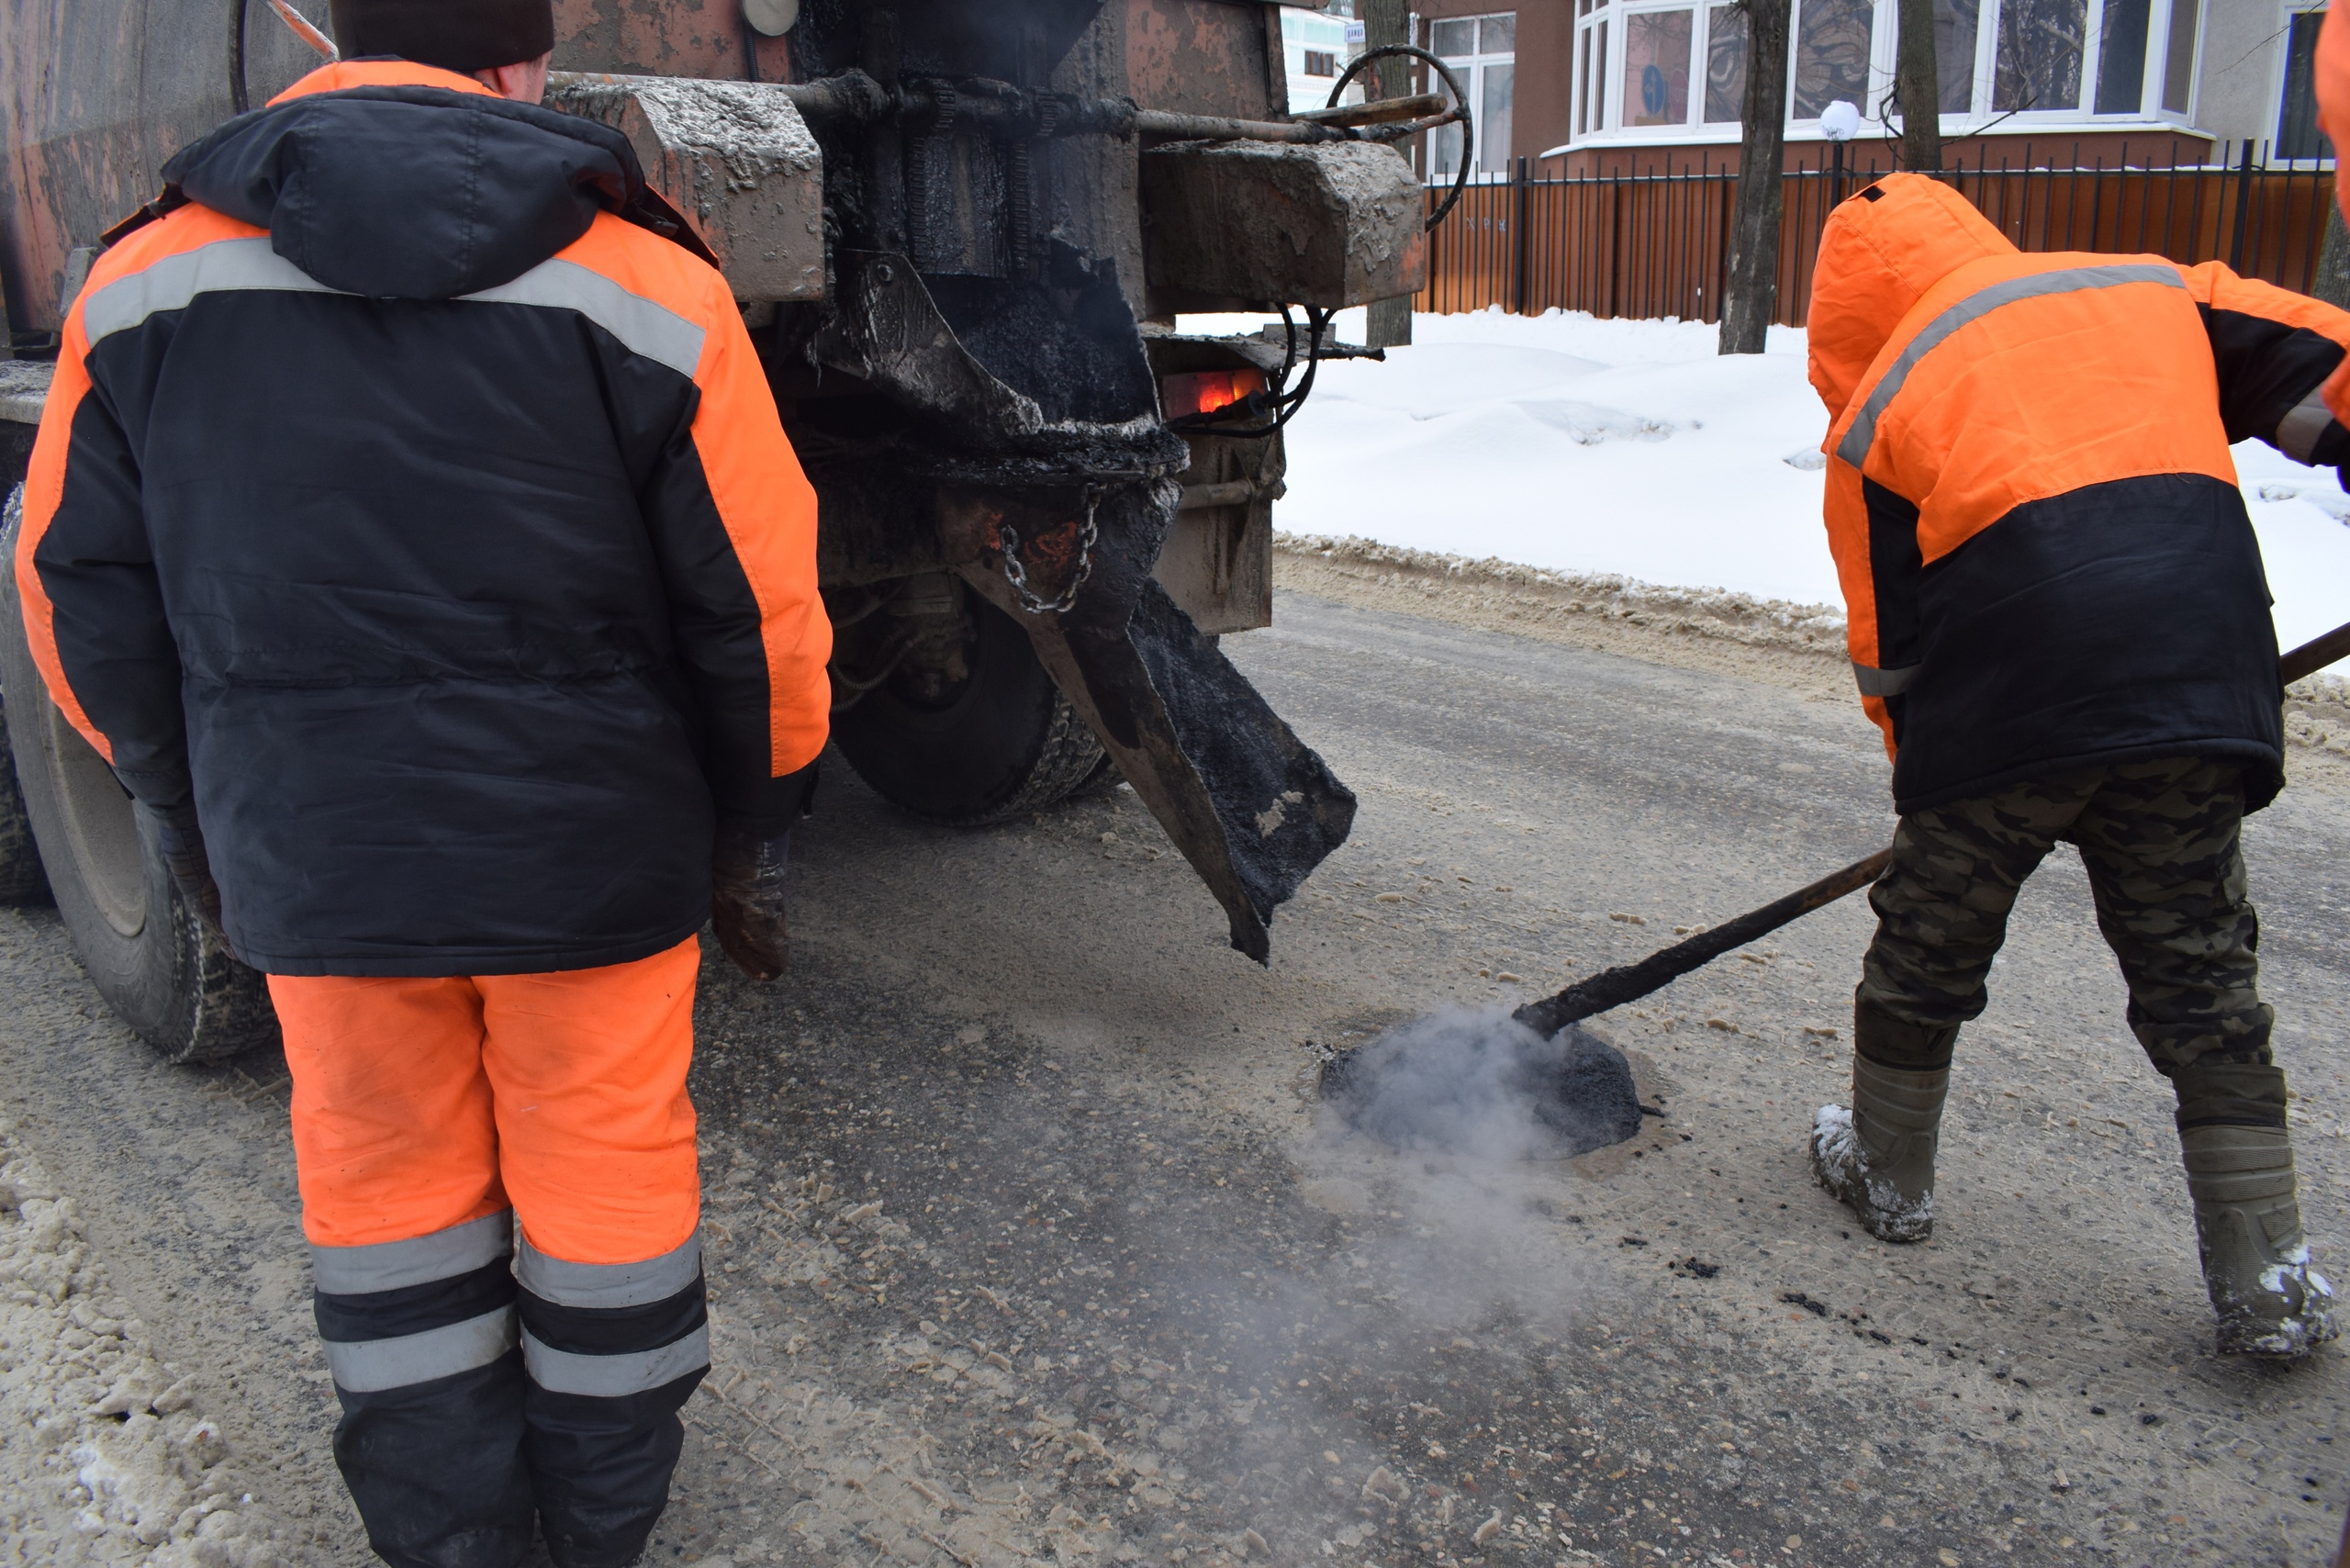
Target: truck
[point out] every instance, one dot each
(963, 237)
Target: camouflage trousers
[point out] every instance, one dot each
(2161, 843)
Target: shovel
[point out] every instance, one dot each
(1534, 1085)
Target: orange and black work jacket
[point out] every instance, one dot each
(2046, 562)
(432, 529)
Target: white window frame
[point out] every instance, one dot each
(1470, 69)
(2282, 71)
(1883, 41)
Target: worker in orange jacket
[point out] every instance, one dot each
(2059, 618)
(2333, 114)
(414, 533)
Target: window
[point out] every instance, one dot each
(2121, 57)
(1482, 53)
(2178, 72)
(1955, 23)
(1725, 64)
(1680, 65)
(2041, 44)
(1656, 67)
(2298, 135)
(1319, 63)
(1833, 39)
(1591, 65)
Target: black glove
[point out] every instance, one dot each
(747, 872)
(749, 864)
(182, 842)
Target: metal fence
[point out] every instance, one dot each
(1656, 243)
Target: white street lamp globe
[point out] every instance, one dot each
(772, 19)
(1840, 121)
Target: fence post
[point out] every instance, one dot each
(2243, 209)
(1518, 203)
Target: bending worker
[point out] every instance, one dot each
(417, 537)
(2058, 616)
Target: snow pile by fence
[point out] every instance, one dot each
(1594, 450)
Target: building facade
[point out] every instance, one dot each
(1589, 83)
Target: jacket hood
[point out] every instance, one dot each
(399, 180)
(1879, 254)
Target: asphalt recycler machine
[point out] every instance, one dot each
(962, 236)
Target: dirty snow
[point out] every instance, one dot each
(104, 1458)
(1575, 444)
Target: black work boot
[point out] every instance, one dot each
(1877, 1157)
(2247, 1220)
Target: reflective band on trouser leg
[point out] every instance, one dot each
(389, 1265)
(421, 1337)
(371, 1366)
(616, 1376)
(614, 1350)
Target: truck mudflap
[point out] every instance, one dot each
(1252, 808)
(1052, 499)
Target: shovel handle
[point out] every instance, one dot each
(1629, 983)
(2314, 656)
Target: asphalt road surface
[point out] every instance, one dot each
(1026, 1243)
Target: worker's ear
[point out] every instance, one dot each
(525, 83)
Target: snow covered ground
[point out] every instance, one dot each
(1607, 446)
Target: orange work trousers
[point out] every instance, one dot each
(485, 1383)
(421, 1104)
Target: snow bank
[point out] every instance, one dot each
(102, 1457)
(1632, 449)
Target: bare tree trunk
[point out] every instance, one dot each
(1918, 83)
(1386, 22)
(2331, 283)
(1752, 292)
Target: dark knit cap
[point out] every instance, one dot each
(455, 35)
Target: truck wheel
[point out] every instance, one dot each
(174, 983)
(22, 881)
(970, 730)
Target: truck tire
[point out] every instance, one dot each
(23, 883)
(174, 983)
(1002, 742)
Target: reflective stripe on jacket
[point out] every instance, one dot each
(434, 530)
(2045, 560)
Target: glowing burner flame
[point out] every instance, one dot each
(1206, 391)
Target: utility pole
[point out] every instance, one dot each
(1386, 23)
(1753, 289)
(1918, 86)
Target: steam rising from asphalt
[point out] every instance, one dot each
(1485, 1089)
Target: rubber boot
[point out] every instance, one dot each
(2255, 1259)
(2239, 1159)
(1877, 1159)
